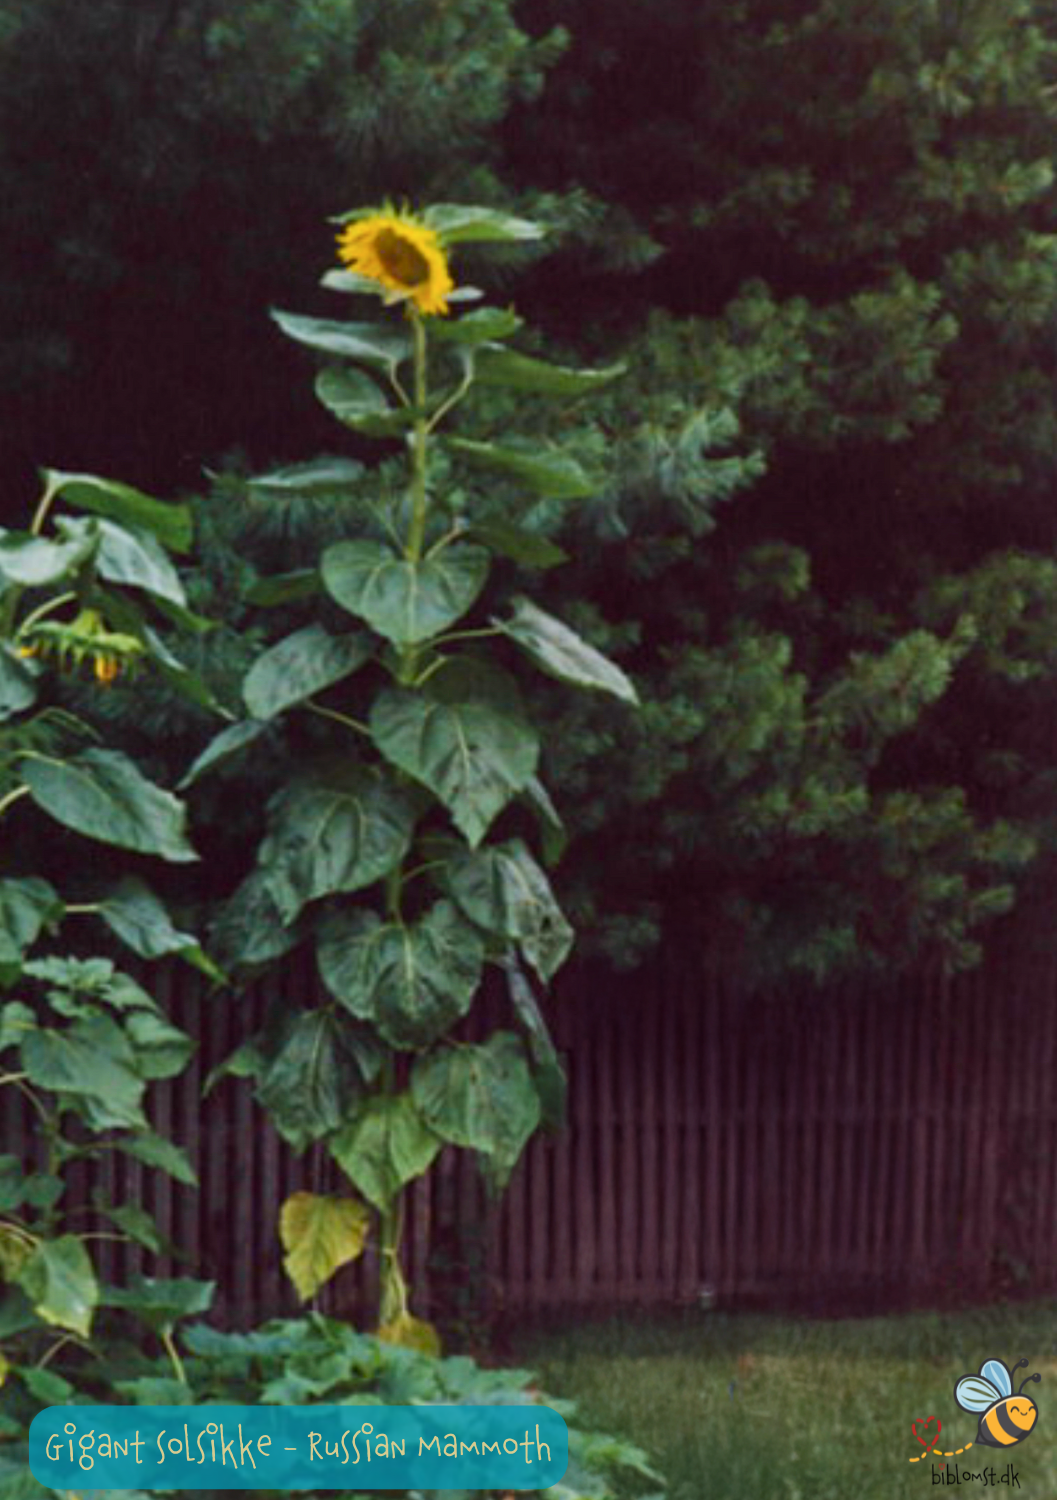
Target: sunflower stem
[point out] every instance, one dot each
(419, 445)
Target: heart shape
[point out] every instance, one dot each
(924, 1423)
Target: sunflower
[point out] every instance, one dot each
(402, 255)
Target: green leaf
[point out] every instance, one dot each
(385, 1148)
(482, 326)
(138, 917)
(126, 556)
(380, 348)
(481, 1097)
(546, 1064)
(562, 653)
(35, 562)
(464, 736)
(225, 745)
(160, 1302)
(154, 1390)
(319, 476)
(43, 1191)
(155, 1151)
(319, 1236)
(285, 588)
(12, 1191)
(355, 399)
(18, 681)
(133, 1221)
(553, 836)
(457, 223)
(334, 829)
(45, 1386)
(517, 543)
(403, 601)
(59, 1280)
(102, 794)
(27, 906)
(92, 1065)
(16, 1022)
(413, 982)
(503, 890)
(251, 928)
(312, 1083)
(552, 474)
(520, 372)
(17, 1483)
(298, 666)
(171, 524)
(161, 1049)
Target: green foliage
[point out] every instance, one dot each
(294, 1362)
(403, 763)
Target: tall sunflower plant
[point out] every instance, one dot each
(400, 846)
(87, 593)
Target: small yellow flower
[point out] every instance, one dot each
(402, 255)
(106, 669)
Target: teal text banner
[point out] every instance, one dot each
(298, 1447)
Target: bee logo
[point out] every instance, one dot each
(1007, 1418)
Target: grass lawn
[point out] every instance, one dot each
(771, 1408)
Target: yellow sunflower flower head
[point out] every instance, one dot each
(402, 255)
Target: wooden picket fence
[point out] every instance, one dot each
(886, 1141)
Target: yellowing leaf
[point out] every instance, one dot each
(320, 1235)
(4, 1367)
(411, 1333)
(15, 1250)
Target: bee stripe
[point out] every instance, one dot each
(1001, 1427)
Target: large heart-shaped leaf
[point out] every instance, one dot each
(503, 890)
(387, 1146)
(18, 681)
(335, 830)
(464, 737)
(298, 666)
(404, 601)
(59, 1280)
(312, 1082)
(170, 523)
(320, 1235)
(562, 653)
(103, 794)
(412, 981)
(481, 1097)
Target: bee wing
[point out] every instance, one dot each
(996, 1372)
(974, 1393)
